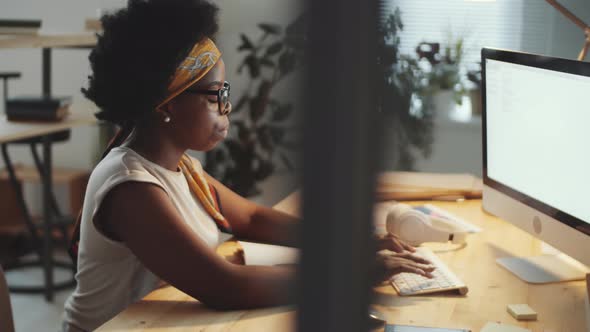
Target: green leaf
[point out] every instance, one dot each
(274, 48)
(265, 138)
(257, 109)
(277, 133)
(219, 155)
(211, 161)
(267, 62)
(246, 43)
(243, 131)
(273, 29)
(290, 145)
(240, 104)
(253, 66)
(264, 170)
(296, 32)
(282, 112)
(234, 148)
(287, 62)
(264, 89)
(298, 26)
(286, 161)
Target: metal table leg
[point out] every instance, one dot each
(46, 180)
(46, 67)
(44, 247)
(19, 199)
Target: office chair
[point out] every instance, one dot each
(6, 321)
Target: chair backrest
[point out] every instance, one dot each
(6, 323)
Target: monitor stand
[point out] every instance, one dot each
(547, 268)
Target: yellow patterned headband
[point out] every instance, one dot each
(197, 64)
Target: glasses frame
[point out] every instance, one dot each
(223, 109)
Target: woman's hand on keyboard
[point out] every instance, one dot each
(392, 263)
(393, 243)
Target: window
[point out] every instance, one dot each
(521, 25)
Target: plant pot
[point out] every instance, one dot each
(443, 103)
(476, 106)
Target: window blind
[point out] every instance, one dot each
(521, 25)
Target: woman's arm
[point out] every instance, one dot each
(142, 216)
(254, 222)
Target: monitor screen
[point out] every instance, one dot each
(537, 132)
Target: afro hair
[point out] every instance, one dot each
(138, 52)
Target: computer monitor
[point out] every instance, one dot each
(536, 157)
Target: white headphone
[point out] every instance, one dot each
(414, 227)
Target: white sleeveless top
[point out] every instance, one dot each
(110, 277)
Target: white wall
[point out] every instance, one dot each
(242, 17)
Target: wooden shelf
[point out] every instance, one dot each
(11, 218)
(48, 41)
(59, 175)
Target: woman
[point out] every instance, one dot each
(151, 213)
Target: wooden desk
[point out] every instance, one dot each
(560, 306)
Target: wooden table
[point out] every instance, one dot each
(560, 306)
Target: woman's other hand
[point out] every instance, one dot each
(393, 243)
(392, 263)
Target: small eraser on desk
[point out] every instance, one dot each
(497, 327)
(522, 312)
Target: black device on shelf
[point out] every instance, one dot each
(19, 26)
(38, 108)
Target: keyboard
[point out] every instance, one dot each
(443, 280)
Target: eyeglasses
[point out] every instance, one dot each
(222, 97)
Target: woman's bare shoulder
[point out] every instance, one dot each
(125, 204)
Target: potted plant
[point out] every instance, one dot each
(251, 152)
(444, 75)
(260, 141)
(404, 98)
